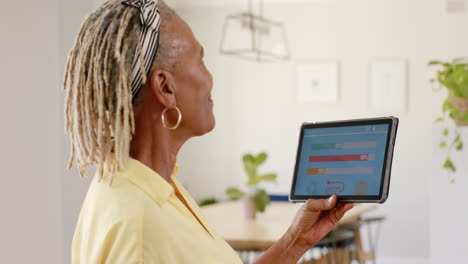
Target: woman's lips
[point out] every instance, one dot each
(210, 99)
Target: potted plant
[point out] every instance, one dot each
(255, 199)
(454, 76)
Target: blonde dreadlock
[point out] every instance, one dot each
(98, 103)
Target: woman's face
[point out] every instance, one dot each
(193, 83)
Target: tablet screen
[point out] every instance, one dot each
(343, 160)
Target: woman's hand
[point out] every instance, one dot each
(316, 219)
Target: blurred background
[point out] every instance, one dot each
(257, 109)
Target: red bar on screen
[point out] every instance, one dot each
(359, 157)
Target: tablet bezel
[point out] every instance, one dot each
(386, 168)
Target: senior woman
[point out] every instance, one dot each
(136, 90)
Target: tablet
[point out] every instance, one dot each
(351, 159)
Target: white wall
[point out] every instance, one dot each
(256, 108)
(447, 222)
(29, 106)
(72, 14)
(39, 199)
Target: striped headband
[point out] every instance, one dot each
(150, 20)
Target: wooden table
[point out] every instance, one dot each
(228, 220)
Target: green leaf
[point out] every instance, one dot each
(435, 62)
(265, 177)
(452, 180)
(261, 158)
(454, 76)
(459, 146)
(464, 118)
(207, 201)
(463, 84)
(268, 177)
(248, 158)
(234, 193)
(250, 166)
(251, 171)
(261, 200)
(460, 60)
(443, 144)
(440, 119)
(453, 114)
(448, 107)
(449, 165)
(445, 132)
(441, 77)
(458, 79)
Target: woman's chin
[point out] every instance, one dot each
(213, 124)
(208, 127)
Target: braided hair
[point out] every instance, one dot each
(98, 98)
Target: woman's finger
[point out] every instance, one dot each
(341, 209)
(322, 204)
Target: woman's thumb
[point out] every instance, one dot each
(322, 204)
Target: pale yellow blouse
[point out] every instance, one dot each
(141, 219)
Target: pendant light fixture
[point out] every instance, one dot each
(253, 37)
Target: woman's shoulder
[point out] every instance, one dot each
(119, 199)
(110, 224)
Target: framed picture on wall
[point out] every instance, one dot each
(317, 82)
(388, 85)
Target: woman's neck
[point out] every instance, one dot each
(154, 145)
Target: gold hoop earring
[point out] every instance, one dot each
(179, 119)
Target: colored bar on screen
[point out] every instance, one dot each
(316, 171)
(340, 171)
(353, 145)
(344, 145)
(324, 146)
(334, 158)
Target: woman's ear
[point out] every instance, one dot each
(162, 85)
